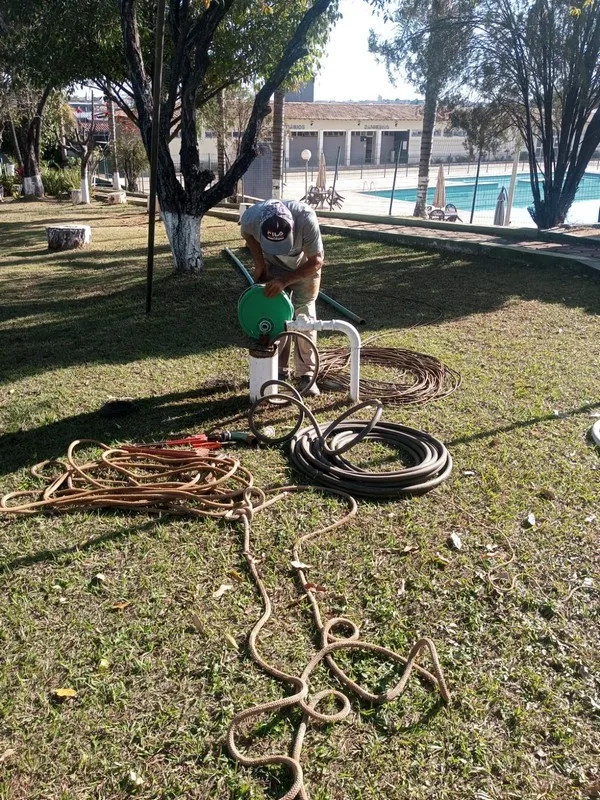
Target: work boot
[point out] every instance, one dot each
(303, 382)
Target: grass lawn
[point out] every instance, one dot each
(155, 695)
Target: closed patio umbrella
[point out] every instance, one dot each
(500, 213)
(439, 198)
(322, 174)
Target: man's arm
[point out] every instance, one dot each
(257, 257)
(307, 270)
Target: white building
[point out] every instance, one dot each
(365, 133)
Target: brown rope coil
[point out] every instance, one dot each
(196, 484)
(422, 378)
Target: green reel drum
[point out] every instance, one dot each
(262, 316)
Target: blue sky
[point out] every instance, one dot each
(349, 71)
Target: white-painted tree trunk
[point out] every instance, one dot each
(33, 186)
(116, 181)
(85, 188)
(183, 233)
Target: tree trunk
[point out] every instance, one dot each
(85, 186)
(116, 178)
(32, 180)
(278, 125)
(183, 233)
(429, 109)
(15, 139)
(221, 134)
(434, 82)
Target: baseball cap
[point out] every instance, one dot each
(276, 228)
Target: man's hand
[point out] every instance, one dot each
(274, 287)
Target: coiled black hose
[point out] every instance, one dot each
(317, 450)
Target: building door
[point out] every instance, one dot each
(331, 141)
(391, 141)
(299, 141)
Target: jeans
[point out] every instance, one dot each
(303, 296)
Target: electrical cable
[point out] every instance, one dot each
(192, 482)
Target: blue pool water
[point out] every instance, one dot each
(460, 191)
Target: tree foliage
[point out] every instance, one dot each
(540, 59)
(486, 127)
(429, 42)
(132, 153)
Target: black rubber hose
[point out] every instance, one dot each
(317, 452)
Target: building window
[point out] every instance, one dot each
(416, 133)
(304, 133)
(333, 133)
(210, 134)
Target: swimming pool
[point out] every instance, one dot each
(460, 191)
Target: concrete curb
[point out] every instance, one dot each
(527, 234)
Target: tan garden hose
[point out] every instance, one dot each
(196, 483)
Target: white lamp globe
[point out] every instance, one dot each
(305, 155)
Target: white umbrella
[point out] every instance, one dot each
(500, 213)
(322, 174)
(439, 198)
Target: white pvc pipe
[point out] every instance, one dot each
(304, 324)
(595, 432)
(263, 370)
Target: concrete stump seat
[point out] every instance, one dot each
(116, 198)
(68, 237)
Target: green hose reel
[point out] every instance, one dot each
(262, 316)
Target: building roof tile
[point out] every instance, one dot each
(370, 112)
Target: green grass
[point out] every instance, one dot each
(155, 695)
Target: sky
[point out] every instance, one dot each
(349, 71)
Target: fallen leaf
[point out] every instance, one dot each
(103, 664)
(224, 587)
(135, 779)
(120, 605)
(441, 558)
(197, 622)
(237, 576)
(468, 472)
(314, 587)
(99, 578)
(529, 521)
(541, 753)
(300, 565)
(7, 754)
(64, 694)
(588, 583)
(591, 518)
(409, 548)
(454, 541)
(232, 641)
(593, 790)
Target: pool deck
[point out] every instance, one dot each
(578, 250)
(355, 188)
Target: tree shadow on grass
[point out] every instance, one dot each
(153, 419)
(91, 543)
(88, 306)
(386, 284)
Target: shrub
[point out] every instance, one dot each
(60, 181)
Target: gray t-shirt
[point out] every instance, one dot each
(307, 235)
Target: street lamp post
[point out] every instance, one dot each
(305, 156)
